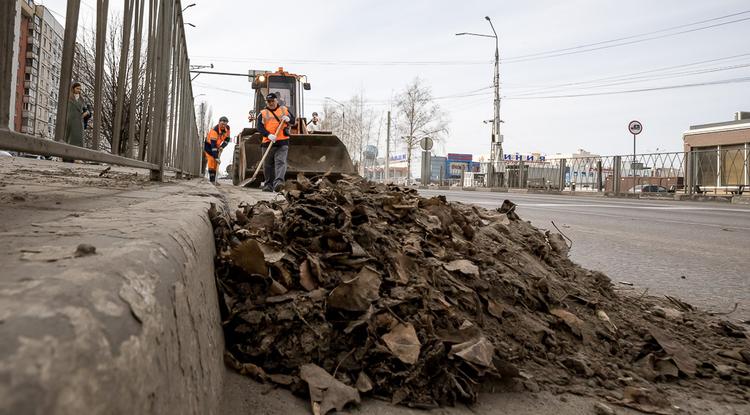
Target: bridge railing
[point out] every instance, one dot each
(157, 130)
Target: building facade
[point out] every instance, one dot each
(38, 75)
(719, 153)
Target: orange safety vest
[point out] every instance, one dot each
(271, 124)
(217, 135)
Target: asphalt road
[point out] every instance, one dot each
(698, 251)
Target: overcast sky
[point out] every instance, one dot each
(377, 47)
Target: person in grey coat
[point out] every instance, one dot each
(76, 113)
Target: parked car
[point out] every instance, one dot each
(648, 188)
(5, 154)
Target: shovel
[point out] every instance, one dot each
(262, 160)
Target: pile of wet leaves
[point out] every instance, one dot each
(350, 288)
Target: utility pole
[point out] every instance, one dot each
(496, 145)
(388, 149)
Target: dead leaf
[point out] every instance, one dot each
(571, 320)
(364, 383)
(679, 354)
(463, 266)
(326, 392)
(479, 351)
(249, 257)
(305, 277)
(271, 254)
(403, 342)
(357, 293)
(495, 308)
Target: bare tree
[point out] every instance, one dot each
(354, 124)
(419, 117)
(84, 72)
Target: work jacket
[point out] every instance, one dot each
(217, 138)
(267, 123)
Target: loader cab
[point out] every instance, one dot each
(287, 87)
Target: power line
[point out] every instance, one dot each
(629, 37)
(623, 76)
(518, 60)
(630, 91)
(638, 79)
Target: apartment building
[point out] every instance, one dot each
(38, 75)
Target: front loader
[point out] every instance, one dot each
(312, 154)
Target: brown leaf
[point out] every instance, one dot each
(495, 308)
(249, 257)
(478, 350)
(463, 266)
(679, 354)
(364, 383)
(271, 254)
(305, 277)
(326, 392)
(575, 324)
(404, 266)
(357, 293)
(403, 342)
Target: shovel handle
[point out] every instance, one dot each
(263, 159)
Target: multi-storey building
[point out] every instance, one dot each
(38, 76)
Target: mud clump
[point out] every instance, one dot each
(359, 288)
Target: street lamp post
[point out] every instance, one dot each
(496, 149)
(343, 115)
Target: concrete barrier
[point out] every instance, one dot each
(133, 328)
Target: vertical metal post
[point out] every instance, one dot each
(746, 182)
(388, 150)
(66, 67)
(8, 11)
(718, 167)
(134, 88)
(617, 174)
(148, 87)
(563, 166)
(102, 8)
(163, 58)
(599, 179)
(127, 24)
(632, 166)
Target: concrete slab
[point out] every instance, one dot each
(133, 328)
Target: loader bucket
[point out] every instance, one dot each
(310, 154)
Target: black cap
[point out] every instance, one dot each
(225, 119)
(271, 96)
(315, 114)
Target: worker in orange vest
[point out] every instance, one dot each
(216, 140)
(274, 167)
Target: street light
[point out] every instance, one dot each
(189, 24)
(496, 151)
(188, 6)
(343, 114)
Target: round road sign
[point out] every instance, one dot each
(426, 143)
(635, 127)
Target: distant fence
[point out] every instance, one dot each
(714, 171)
(166, 135)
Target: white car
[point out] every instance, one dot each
(5, 154)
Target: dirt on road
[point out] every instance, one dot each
(350, 289)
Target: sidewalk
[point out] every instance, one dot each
(107, 295)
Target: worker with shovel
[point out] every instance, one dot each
(273, 124)
(216, 140)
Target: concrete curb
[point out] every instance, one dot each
(133, 329)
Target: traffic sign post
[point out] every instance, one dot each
(635, 127)
(426, 143)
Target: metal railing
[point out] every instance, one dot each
(164, 136)
(720, 170)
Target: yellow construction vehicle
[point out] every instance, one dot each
(310, 153)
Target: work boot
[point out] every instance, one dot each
(267, 189)
(278, 188)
